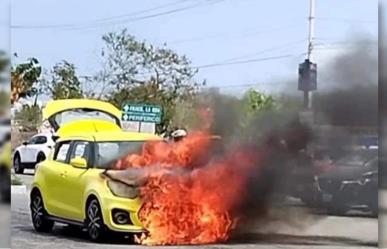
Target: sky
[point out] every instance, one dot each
(206, 31)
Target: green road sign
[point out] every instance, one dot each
(142, 113)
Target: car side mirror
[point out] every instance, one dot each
(79, 162)
(25, 143)
(54, 138)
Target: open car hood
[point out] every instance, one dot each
(131, 176)
(61, 112)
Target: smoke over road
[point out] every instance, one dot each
(349, 86)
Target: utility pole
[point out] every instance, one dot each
(307, 71)
(308, 94)
(311, 28)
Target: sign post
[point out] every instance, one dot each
(142, 114)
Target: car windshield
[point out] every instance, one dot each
(82, 114)
(358, 158)
(108, 152)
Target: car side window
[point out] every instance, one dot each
(41, 140)
(33, 140)
(61, 152)
(80, 149)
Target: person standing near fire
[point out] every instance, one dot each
(178, 134)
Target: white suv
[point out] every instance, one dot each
(30, 153)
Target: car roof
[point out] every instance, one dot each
(43, 134)
(112, 136)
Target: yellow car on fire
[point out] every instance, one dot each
(70, 187)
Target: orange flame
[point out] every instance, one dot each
(187, 202)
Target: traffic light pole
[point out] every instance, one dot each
(308, 94)
(307, 102)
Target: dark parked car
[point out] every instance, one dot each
(350, 184)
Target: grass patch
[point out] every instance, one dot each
(16, 180)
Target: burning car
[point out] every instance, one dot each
(69, 186)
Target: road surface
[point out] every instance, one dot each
(5, 221)
(320, 232)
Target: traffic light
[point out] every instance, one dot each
(307, 76)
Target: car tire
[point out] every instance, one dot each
(40, 158)
(96, 229)
(337, 207)
(39, 214)
(17, 165)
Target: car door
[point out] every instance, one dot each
(53, 177)
(39, 146)
(24, 150)
(74, 182)
(31, 150)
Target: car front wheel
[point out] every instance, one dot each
(94, 221)
(39, 215)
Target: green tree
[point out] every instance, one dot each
(255, 101)
(23, 78)
(139, 72)
(63, 83)
(29, 117)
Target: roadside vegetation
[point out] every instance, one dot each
(132, 70)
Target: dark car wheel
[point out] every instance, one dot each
(94, 221)
(39, 215)
(337, 206)
(41, 157)
(17, 165)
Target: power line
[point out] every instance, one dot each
(338, 45)
(231, 86)
(330, 19)
(265, 50)
(242, 85)
(227, 35)
(97, 24)
(141, 11)
(243, 61)
(98, 20)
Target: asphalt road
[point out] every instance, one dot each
(5, 220)
(299, 231)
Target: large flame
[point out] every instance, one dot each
(189, 197)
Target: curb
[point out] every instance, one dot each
(19, 189)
